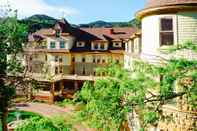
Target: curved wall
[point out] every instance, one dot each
(184, 28)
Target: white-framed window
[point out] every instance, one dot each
(52, 45)
(56, 58)
(98, 46)
(80, 44)
(60, 59)
(166, 31)
(62, 44)
(117, 44)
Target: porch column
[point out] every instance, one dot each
(76, 85)
(52, 93)
(61, 87)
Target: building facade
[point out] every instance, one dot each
(68, 56)
(166, 23)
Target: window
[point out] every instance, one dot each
(46, 58)
(52, 44)
(73, 59)
(98, 60)
(96, 46)
(56, 70)
(166, 31)
(117, 61)
(83, 59)
(80, 44)
(117, 44)
(60, 59)
(62, 44)
(103, 60)
(56, 58)
(57, 33)
(94, 60)
(30, 58)
(61, 69)
(102, 46)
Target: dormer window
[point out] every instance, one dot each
(166, 31)
(52, 44)
(62, 44)
(102, 46)
(80, 44)
(96, 46)
(117, 44)
(57, 33)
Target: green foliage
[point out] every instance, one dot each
(150, 117)
(145, 89)
(97, 24)
(44, 124)
(187, 45)
(23, 115)
(37, 22)
(12, 37)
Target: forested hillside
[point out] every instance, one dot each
(37, 22)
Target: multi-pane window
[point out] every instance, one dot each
(166, 31)
(73, 59)
(61, 69)
(83, 59)
(96, 46)
(58, 32)
(103, 61)
(60, 59)
(56, 58)
(52, 44)
(102, 46)
(94, 60)
(62, 44)
(56, 70)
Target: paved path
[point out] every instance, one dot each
(48, 111)
(43, 109)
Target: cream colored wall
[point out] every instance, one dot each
(66, 59)
(187, 26)
(151, 35)
(69, 41)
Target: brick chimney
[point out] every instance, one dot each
(112, 31)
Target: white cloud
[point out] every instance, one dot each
(30, 7)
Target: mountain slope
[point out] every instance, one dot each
(37, 22)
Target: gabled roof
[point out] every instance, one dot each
(110, 33)
(88, 34)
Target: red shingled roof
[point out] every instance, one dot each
(87, 34)
(159, 3)
(110, 33)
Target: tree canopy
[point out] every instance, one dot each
(145, 89)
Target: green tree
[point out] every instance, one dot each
(144, 90)
(12, 37)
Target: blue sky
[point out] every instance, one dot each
(80, 11)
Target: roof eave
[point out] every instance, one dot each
(165, 10)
